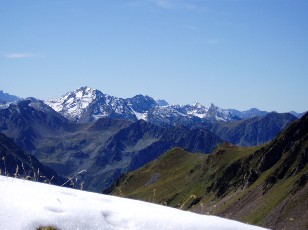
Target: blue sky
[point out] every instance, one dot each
(233, 53)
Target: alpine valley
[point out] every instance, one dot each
(245, 165)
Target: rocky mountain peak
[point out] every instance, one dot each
(141, 103)
(162, 102)
(197, 104)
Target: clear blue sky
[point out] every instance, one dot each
(234, 53)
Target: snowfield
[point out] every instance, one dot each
(28, 205)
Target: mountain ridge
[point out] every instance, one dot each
(86, 104)
(106, 148)
(265, 185)
(5, 97)
(252, 131)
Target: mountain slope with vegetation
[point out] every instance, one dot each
(264, 185)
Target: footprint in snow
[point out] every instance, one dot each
(115, 219)
(54, 209)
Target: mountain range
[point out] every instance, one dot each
(264, 185)
(106, 148)
(249, 165)
(108, 137)
(87, 104)
(253, 131)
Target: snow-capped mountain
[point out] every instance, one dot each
(219, 114)
(195, 109)
(188, 114)
(87, 104)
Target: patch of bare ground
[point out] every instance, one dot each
(292, 213)
(242, 204)
(233, 206)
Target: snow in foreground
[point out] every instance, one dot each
(28, 205)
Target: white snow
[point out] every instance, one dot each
(28, 205)
(73, 104)
(79, 94)
(197, 104)
(4, 106)
(140, 116)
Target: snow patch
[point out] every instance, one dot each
(28, 205)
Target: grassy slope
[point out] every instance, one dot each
(178, 175)
(247, 184)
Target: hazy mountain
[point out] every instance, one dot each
(5, 97)
(265, 185)
(27, 121)
(253, 112)
(252, 131)
(219, 114)
(141, 104)
(298, 115)
(15, 162)
(162, 102)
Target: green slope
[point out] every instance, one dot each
(264, 185)
(179, 176)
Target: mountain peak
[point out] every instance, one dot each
(72, 104)
(86, 88)
(84, 91)
(213, 106)
(86, 104)
(197, 104)
(162, 102)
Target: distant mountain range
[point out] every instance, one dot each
(86, 104)
(110, 136)
(252, 131)
(248, 113)
(5, 97)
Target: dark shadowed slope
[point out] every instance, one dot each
(253, 131)
(15, 162)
